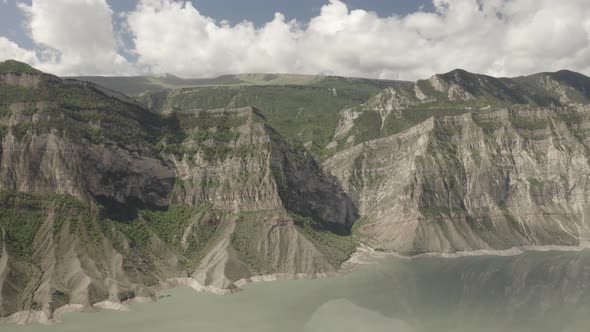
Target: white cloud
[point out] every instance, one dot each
(75, 36)
(10, 50)
(498, 37)
(174, 37)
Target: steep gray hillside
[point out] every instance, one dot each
(101, 199)
(482, 180)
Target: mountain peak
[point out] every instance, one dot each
(459, 71)
(569, 76)
(458, 75)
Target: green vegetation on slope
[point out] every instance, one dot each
(77, 110)
(307, 113)
(170, 225)
(333, 240)
(307, 108)
(244, 240)
(12, 66)
(185, 229)
(212, 134)
(21, 216)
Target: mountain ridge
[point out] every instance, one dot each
(105, 197)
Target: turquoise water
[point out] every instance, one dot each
(535, 291)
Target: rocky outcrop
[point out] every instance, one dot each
(387, 105)
(20, 79)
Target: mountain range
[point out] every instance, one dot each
(114, 187)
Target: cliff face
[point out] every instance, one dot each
(235, 161)
(50, 163)
(273, 195)
(463, 161)
(66, 148)
(102, 200)
(483, 180)
(70, 137)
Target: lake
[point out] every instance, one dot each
(533, 291)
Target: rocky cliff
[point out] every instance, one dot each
(482, 180)
(465, 162)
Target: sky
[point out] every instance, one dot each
(389, 39)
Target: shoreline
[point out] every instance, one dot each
(364, 255)
(363, 252)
